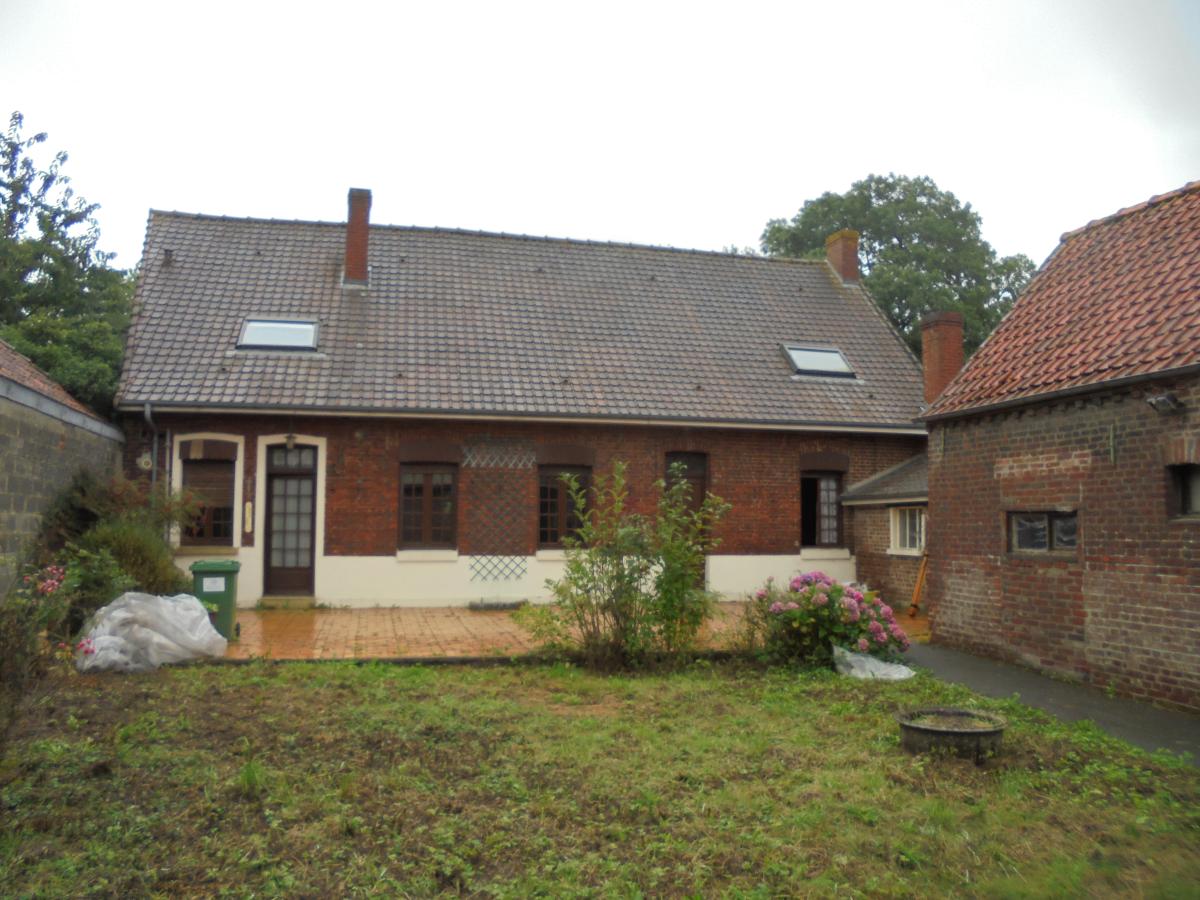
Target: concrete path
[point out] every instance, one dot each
(1138, 723)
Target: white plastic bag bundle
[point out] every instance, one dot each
(859, 665)
(139, 632)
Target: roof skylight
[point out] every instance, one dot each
(278, 334)
(818, 361)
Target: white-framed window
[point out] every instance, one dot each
(278, 334)
(908, 530)
(828, 361)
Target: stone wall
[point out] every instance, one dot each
(42, 446)
(1120, 609)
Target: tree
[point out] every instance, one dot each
(60, 302)
(920, 250)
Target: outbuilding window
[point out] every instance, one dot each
(908, 530)
(1185, 490)
(1042, 531)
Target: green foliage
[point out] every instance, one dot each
(141, 553)
(82, 353)
(551, 781)
(36, 603)
(94, 579)
(803, 621)
(679, 540)
(632, 587)
(60, 302)
(920, 250)
(110, 534)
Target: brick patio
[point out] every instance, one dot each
(415, 633)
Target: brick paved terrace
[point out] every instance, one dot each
(418, 633)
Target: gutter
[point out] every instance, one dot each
(360, 412)
(1062, 393)
(48, 406)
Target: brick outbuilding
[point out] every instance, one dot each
(1064, 465)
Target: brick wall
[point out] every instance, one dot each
(39, 455)
(757, 472)
(1124, 608)
(893, 575)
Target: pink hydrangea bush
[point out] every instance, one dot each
(803, 620)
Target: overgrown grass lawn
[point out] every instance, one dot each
(341, 780)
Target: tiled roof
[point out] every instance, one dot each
(19, 369)
(467, 323)
(907, 481)
(1118, 298)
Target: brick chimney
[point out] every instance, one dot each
(841, 249)
(941, 350)
(358, 223)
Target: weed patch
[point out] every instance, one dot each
(339, 780)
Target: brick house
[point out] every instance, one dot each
(1064, 465)
(379, 415)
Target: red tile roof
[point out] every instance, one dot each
(1118, 298)
(18, 368)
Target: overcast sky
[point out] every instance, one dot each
(683, 124)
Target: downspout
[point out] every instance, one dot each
(153, 445)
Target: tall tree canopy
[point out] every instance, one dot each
(920, 250)
(60, 302)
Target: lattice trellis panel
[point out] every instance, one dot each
(498, 568)
(499, 455)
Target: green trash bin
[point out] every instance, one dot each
(215, 581)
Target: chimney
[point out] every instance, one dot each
(941, 350)
(358, 222)
(841, 248)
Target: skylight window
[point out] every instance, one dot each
(818, 361)
(278, 334)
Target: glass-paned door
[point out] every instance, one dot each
(291, 519)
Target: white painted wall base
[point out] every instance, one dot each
(733, 576)
(445, 578)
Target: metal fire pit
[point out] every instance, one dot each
(967, 733)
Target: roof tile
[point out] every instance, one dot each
(470, 323)
(1119, 297)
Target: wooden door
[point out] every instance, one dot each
(291, 519)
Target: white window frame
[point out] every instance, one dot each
(245, 342)
(895, 521)
(836, 367)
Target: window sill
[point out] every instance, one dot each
(206, 550)
(427, 556)
(1189, 519)
(551, 554)
(1045, 555)
(899, 551)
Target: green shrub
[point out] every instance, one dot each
(93, 579)
(141, 552)
(803, 621)
(633, 586)
(35, 604)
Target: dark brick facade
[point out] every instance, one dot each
(756, 471)
(1123, 609)
(893, 575)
